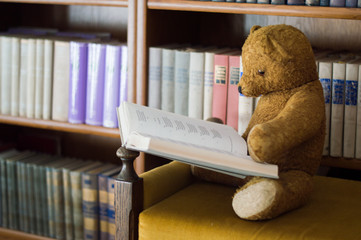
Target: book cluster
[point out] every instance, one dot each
(202, 83)
(323, 3)
(57, 197)
(63, 76)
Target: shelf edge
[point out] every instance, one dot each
(114, 3)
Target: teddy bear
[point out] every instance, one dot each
(287, 127)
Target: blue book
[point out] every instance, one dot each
(351, 3)
(337, 3)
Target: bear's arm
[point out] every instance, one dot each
(302, 118)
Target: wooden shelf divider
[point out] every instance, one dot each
(114, 3)
(60, 126)
(8, 234)
(261, 9)
(339, 162)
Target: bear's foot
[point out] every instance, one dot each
(252, 201)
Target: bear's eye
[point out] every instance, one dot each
(261, 72)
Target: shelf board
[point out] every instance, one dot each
(349, 163)
(115, 3)
(60, 126)
(7, 234)
(261, 9)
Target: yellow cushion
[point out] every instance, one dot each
(203, 211)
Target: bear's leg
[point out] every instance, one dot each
(264, 198)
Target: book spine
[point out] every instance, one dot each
(295, 2)
(325, 3)
(77, 82)
(76, 198)
(181, 82)
(359, 3)
(219, 101)
(1, 201)
(12, 196)
(251, 1)
(37, 200)
(25, 204)
(111, 86)
(208, 85)
(123, 96)
(5, 75)
(15, 75)
(325, 75)
(30, 79)
(50, 194)
(48, 78)
(39, 79)
(95, 84)
(58, 196)
(337, 3)
(278, 2)
(111, 209)
(103, 207)
(155, 77)
(4, 202)
(23, 76)
(44, 200)
(68, 206)
(31, 199)
(233, 95)
(358, 118)
(351, 3)
(20, 193)
(312, 2)
(61, 75)
(168, 60)
(337, 109)
(196, 85)
(90, 206)
(349, 129)
(263, 1)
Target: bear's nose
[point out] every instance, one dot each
(239, 89)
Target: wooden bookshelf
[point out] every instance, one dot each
(7, 234)
(114, 3)
(60, 126)
(349, 163)
(261, 9)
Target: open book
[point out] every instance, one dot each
(205, 144)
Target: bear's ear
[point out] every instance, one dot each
(254, 28)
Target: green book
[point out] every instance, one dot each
(91, 201)
(58, 196)
(13, 206)
(3, 182)
(77, 224)
(103, 202)
(50, 195)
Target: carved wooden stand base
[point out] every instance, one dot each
(128, 197)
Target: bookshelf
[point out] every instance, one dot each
(228, 24)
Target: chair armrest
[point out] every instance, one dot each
(164, 181)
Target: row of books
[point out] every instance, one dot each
(57, 197)
(67, 77)
(340, 75)
(324, 3)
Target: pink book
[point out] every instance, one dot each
(220, 86)
(233, 95)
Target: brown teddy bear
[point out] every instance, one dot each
(288, 125)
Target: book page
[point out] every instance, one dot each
(181, 129)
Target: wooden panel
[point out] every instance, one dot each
(347, 163)
(119, 3)
(263, 9)
(60, 126)
(7, 234)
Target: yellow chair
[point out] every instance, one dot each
(169, 203)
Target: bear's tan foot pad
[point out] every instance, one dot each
(251, 202)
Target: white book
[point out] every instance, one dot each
(23, 76)
(188, 140)
(337, 108)
(30, 78)
(155, 77)
(181, 81)
(168, 58)
(5, 74)
(15, 75)
(325, 76)
(358, 117)
(48, 78)
(60, 101)
(349, 130)
(196, 85)
(39, 78)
